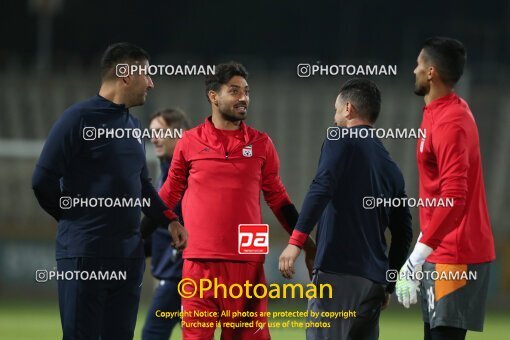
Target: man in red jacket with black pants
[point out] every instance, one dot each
(455, 249)
(221, 167)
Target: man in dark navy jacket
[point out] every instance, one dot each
(351, 246)
(166, 264)
(95, 184)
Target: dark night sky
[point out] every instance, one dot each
(265, 29)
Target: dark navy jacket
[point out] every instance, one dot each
(72, 166)
(166, 261)
(350, 239)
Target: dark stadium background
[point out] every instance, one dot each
(49, 56)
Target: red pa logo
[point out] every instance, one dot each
(253, 239)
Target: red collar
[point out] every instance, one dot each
(211, 129)
(449, 98)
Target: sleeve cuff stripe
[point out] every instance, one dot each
(298, 238)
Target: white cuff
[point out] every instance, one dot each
(419, 237)
(420, 253)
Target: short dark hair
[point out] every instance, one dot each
(448, 56)
(222, 74)
(175, 118)
(119, 53)
(364, 95)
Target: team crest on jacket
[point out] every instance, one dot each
(247, 151)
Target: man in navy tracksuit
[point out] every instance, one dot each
(79, 165)
(166, 261)
(351, 246)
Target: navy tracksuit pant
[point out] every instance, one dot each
(100, 309)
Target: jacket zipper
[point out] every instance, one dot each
(225, 149)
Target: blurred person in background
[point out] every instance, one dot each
(166, 263)
(76, 162)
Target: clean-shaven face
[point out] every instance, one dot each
(421, 85)
(340, 112)
(164, 147)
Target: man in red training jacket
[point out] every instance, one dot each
(456, 245)
(221, 166)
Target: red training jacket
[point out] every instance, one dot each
(450, 166)
(222, 189)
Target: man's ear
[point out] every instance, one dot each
(431, 72)
(350, 110)
(212, 95)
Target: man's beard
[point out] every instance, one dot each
(421, 90)
(231, 116)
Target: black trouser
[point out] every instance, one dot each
(350, 293)
(443, 333)
(100, 309)
(166, 299)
